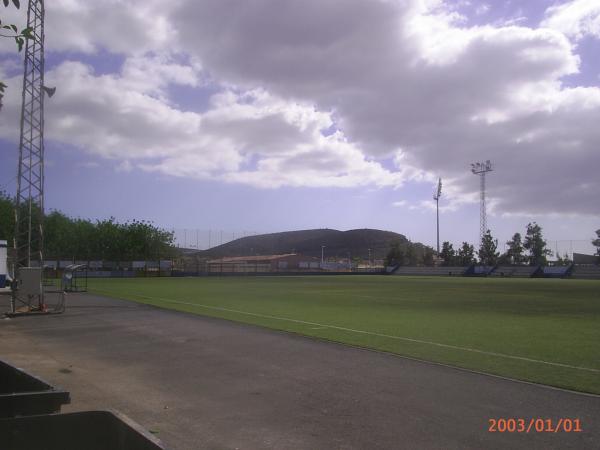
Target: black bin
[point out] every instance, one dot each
(22, 394)
(89, 430)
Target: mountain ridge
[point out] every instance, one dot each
(339, 244)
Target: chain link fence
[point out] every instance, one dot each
(203, 239)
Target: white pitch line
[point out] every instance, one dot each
(370, 333)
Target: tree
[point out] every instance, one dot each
(395, 256)
(536, 245)
(596, 243)
(448, 254)
(488, 256)
(81, 239)
(13, 33)
(411, 255)
(564, 260)
(466, 254)
(7, 218)
(58, 232)
(515, 249)
(428, 257)
(504, 260)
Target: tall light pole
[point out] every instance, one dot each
(436, 197)
(322, 254)
(481, 169)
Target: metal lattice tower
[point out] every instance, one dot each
(436, 197)
(29, 213)
(481, 169)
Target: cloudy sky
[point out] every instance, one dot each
(273, 115)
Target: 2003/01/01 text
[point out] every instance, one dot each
(534, 425)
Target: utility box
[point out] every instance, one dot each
(3, 263)
(30, 282)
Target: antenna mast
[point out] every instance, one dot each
(29, 212)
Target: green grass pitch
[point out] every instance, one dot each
(544, 331)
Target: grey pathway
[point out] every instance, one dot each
(205, 383)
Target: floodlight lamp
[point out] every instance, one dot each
(49, 91)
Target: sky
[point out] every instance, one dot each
(270, 115)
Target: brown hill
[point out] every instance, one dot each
(353, 243)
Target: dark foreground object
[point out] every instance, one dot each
(205, 383)
(91, 430)
(23, 394)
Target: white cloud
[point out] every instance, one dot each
(576, 19)
(154, 73)
(131, 27)
(124, 118)
(444, 94)
(404, 79)
(482, 9)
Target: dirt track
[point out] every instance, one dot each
(208, 383)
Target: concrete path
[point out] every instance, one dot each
(205, 383)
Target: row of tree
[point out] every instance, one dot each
(410, 254)
(66, 238)
(530, 250)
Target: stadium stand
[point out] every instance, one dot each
(430, 271)
(516, 271)
(479, 271)
(590, 272)
(557, 271)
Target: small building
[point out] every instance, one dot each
(291, 262)
(582, 259)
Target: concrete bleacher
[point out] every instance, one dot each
(430, 271)
(584, 271)
(515, 271)
(479, 271)
(589, 272)
(557, 271)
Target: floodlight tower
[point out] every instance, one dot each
(436, 197)
(481, 169)
(29, 212)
